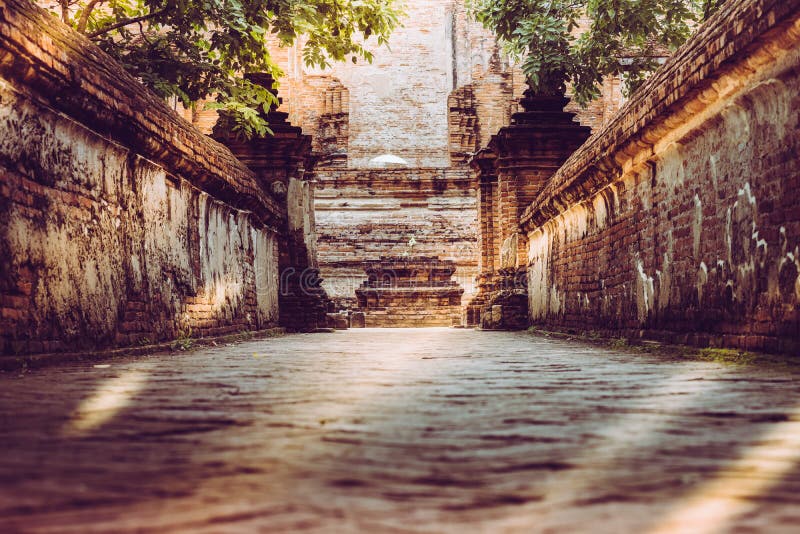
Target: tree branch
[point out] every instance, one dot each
(141, 32)
(87, 11)
(64, 11)
(125, 22)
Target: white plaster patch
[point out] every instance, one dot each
(508, 251)
(702, 280)
(747, 194)
(266, 274)
(222, 257)
(737, 125)
(600, 211)
(664, 276)
(670, 167)
(797, 280)
(538, 257)
(166, 228)
(555, 301)
(772, 104)
(697, 226)
(80, 280)
(574, 222)
(746, 252)
(644, 292)
(728, 232)
(713, 161)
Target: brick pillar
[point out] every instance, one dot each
(282, 163)
(334, 127)
(487, 192)
(528, 152)
(483, 164)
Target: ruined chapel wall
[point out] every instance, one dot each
(363, 215)
(681, 218)
(483, 69)
(398, 104)
(120, 223)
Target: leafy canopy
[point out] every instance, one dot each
(195, 49)
(621, 37)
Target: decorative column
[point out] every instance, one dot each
(334, 127)
(282, 163)
(528, 152)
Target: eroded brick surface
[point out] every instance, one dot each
(401, 292)
(120, 223)
(434, 430)
(681, 217)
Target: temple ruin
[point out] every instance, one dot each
(429, 300)
(670, 215)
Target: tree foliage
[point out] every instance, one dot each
(623, 37)
(194, 49)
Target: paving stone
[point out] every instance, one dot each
(415, 430)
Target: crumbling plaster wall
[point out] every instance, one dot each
(681, 219)
(119, 223)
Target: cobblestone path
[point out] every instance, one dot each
(433, 430)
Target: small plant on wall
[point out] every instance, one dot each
(580, 42)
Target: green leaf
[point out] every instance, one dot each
(540, 33)
(194, 50)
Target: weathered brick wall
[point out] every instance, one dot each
(365, 214)
(432, 98)
(444, 74)
(398, 104)
(680, 219)
(120, 223)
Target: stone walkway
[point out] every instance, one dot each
(422, 431)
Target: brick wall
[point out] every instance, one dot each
(400, 101)
(398, 104)
(440, 90)
(680, 219)
(365, 214)
(120, 223)
(444, 88)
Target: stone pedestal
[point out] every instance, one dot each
(410, 292)
(511, 172)
(282, 163)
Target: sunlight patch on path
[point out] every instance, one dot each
(715, 506)
(98, 409)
